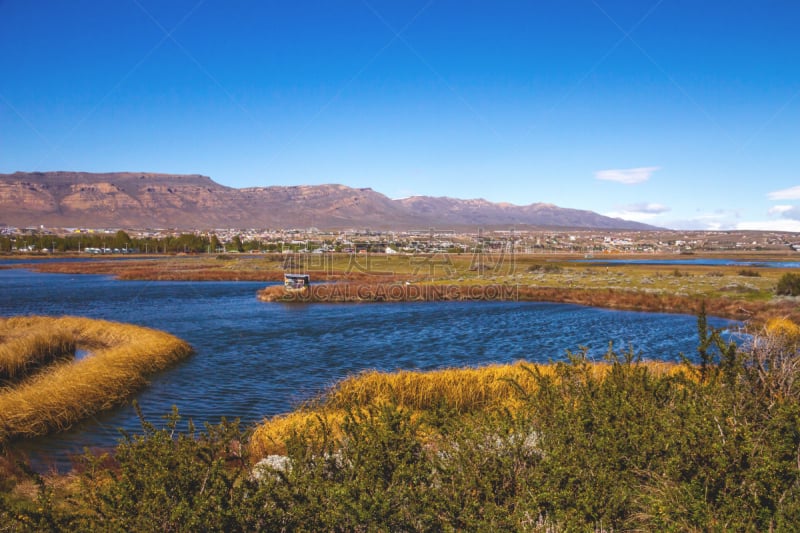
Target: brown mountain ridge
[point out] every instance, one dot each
(151, 200)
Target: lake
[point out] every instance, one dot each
(255, 359)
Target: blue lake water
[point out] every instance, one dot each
(254, 359)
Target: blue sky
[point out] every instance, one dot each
(679, 113)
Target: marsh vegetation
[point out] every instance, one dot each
(730, 290)
(583, 444)
(618, 444)
(46, 389)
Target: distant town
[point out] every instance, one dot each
(43, 240)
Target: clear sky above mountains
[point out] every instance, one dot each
(677, 113)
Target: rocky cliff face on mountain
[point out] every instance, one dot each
(147, 200)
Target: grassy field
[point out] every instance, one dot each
(559, 270)
(740, 292)
(51, 396)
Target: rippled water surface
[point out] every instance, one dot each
(255, 359)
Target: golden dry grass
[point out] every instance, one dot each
(463, 390)
(24, 350)
(244, 268)
(122, 357)
(784, 328)
(755, 312)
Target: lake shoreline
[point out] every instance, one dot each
(728, 290)
(754, 312)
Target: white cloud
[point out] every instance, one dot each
(718, 221)
(780, 209)
(786, 211)
(782, 224)
(792, 193)
(627, 176)
(626, 215)
(649, 208)
(641, 212)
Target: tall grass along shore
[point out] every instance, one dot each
(39, 397)
(616, 445)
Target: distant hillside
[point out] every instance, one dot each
(147, 200)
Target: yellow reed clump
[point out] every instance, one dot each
(271, 437)
(463, 390)
(23, 350)
(784, 329)
(121, 358)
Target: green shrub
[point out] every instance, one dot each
(711, 448)
(750, 273)
(548, 268)
(170, 480)
(788, 284)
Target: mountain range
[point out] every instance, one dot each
(138, 200)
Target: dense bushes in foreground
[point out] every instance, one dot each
(716, 447)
